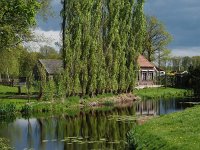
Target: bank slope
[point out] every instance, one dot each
(162, 92)
(175, 131)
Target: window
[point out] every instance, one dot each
(144, 76)
(150, 75)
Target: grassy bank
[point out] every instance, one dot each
(155, 93)
(9, 103)
(178, 131)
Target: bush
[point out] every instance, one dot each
(7, 109)
(26, 109)
(60, 87)
(49, 91)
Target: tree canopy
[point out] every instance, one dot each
(101, 42)
(16, 19)
(156, 38)
(49, 52)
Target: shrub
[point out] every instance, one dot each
(49, 91)
(60, 87)
(7, 109)
(26, 109)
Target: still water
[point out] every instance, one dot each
(95, 129)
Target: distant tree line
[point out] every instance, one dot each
(179, 64)
(102, 39)
(187, 73)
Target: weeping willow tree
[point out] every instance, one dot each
(101, 42)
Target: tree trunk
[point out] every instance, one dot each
(149, 56)
(19, 90)
(64, 35)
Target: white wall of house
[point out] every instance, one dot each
(147, 76)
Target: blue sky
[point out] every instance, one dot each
(181, 19)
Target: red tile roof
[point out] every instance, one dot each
(143, 62)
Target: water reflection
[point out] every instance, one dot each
(70, 133)
(161, 107)
(88, 130)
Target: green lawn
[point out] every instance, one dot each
(177, 131)
(9, 89)
(70, 105)
(155, 93)
(6, 92)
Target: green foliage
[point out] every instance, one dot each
(53, 88)
(49, 91)
(9, 62)
(26, 109)
(154, 93)
(27, 61)
(156, 39)
(43, 80)
(7, 109)
(101, 42)
(108, 103)
(16, 18)
(60, 87)
(174, 131)
(179, 63)
(73, 99)
(29, 84)
(4, 90)
(48, 52)
(195, 80)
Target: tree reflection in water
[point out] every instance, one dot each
(96, 129)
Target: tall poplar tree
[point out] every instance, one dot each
(124, 30)
(102, 41)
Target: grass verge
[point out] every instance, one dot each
(178, 131)
(155, 93)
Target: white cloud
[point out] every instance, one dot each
(44, 38)
(188, 51)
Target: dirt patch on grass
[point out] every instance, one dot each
(115, 100)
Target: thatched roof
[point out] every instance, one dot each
(52, 66)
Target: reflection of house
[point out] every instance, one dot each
(147, 72)
(147, 108)
(51, 67)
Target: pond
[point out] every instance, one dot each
(94, 129)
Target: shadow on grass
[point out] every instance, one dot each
(13, 95)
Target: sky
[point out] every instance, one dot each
(180, 17)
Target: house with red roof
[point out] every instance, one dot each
(147, 72)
